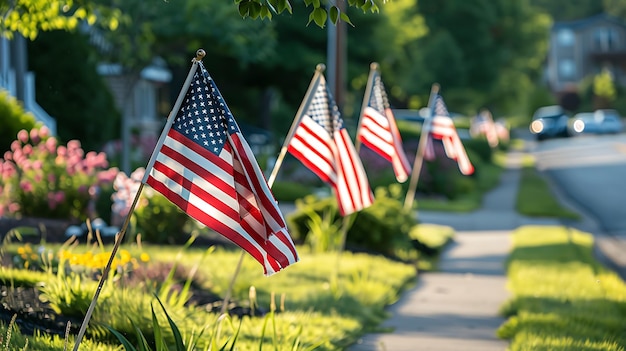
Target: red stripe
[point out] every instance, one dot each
(208, 220)
(198, 191)
(268, 204)
(306, 161)
(204, 153)
(342, 149)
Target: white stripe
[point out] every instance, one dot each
(211, 211)
(199, 181)
(321, 162)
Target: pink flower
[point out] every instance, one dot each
(73, 144)
(28, 149)
(51, 145)
(61, 150)
(26, 186)
(34, 136)
(8, 155)
(14, 207)
(37, 165)
(15, 145)
(22, 136)
(51, 178)
(44, 132)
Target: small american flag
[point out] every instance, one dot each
(379, 132)
(322, 144)
(483, 124)
(442, 128)
(206, 168)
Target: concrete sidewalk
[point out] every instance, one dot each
(456, 308)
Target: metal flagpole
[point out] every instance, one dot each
(357, 146)
(419, 155)
(319, 69)
(366, 97)
(120, 237)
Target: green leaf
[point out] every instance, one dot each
(266, 13)
(158, 335)
(128, 346)
(320, 16)
(284, 5)
(345, 18)
(334, 14)
(308, 2)
(317, 4)
(177, 336)
(244, 8)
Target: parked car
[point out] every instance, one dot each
(550, 122)
(597, 122)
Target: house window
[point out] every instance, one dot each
(565, 37)
(605, 39)
(567, 68)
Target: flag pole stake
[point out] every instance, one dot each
(319, 69)
(106, 270)
(279, 161)
(419, 154)
(120, 237)
(368, 91)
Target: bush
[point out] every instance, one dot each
(157, 219)
(40, 178)
(380, 228)
(13, 118)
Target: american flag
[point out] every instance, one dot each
(321, 143)
(206, 168)
(442, 128)
(483, 124)
(379, 132)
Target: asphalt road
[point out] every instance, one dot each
(591, 171)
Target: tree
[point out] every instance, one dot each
(29, 17)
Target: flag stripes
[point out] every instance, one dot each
(323, 145)
(206, 168)
(379, 132)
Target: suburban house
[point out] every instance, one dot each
(19, 82)
(584, 47)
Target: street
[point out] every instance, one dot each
(589, 172)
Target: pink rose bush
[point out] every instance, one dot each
(40, 178)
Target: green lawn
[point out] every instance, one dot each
(562, 298)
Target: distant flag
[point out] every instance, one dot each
(204, 165)
(321, 143)
(378, 129)
(442, 128)
(483, 124)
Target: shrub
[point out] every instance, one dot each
(157, 219)
(40, 178)
(13, 118)
(380, 228)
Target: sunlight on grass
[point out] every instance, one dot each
(535, 198)
(563, 299)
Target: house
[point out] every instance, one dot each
(18, 81)
(580, 48)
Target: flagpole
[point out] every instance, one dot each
(120, 237)
(419, 154)
(368, 92)
(319, 69)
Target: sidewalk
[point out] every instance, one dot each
(456, 308)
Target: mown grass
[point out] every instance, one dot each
(335, 298)
(536, 199)
(562, 298)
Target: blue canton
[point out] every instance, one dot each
(440, 107)
(204, 117)
(323, 109)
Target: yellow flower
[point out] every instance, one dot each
(144, 257)
(21, 251)
(124, 257)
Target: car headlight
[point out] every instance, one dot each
(578, 126)
(536, 127)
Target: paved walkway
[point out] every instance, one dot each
(456, 308)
